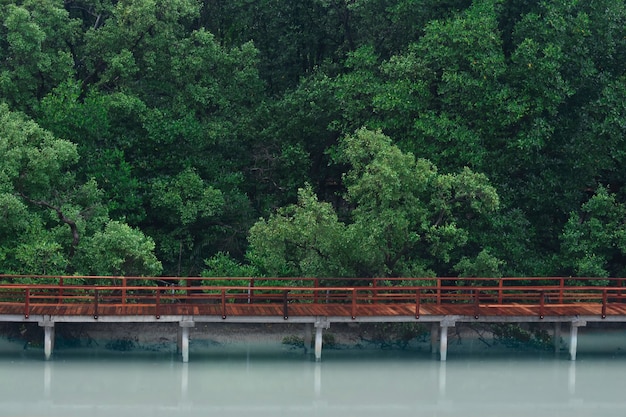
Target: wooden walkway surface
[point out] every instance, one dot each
(327, 310)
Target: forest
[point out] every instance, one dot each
(313, 138)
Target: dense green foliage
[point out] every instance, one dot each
(313, 137)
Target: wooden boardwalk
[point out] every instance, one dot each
(315, 310)
(442, 302)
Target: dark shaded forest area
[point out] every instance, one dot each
(326, 138)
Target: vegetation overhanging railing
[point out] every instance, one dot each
(29, 292)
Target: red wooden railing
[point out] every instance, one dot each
(97, 291)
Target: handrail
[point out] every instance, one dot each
(476, 292)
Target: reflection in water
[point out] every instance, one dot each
(571, 378)
(285, 383)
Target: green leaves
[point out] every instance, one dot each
(186, 199)
(594, 240)
(53, 223)
(301, 240)
(402, 221)
(118, 250)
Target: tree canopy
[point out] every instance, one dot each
(313, 137)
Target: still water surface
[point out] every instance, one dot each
(245, 381)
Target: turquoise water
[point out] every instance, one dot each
(243, 381)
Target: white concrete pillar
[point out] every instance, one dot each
(185, 344)
(443, 343)
(48, 338)
(443, 338)
(318, 343)
(184, 339)
(573, 338)
(319, 328)
(573, 342)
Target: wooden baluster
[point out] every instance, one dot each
(124, 290)
(353, 310)
(27, 303)
(476, 304)
(285, 304)
(418, 296)
(604, 303)
(96, 295)
(251, 291)
(157, 303)
(541, 304)
(438, 291)
(60, 299)
(375, 291)
(223, 303)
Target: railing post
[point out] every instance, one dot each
(250, 290)
(418, 296)
(157, 303)
(561, 289)
(604, 302)
(500, 285)
(27, 303)
(123, 290)
(316, 285)
(541, 303)
(96, 295)
(353, 310)
(60, 300)
(285, 304)
(375, 285)
(223, 303)
(438, 291)
(476, 304)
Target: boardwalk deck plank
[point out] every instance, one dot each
(295, 309)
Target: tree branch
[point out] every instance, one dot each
(64, 219)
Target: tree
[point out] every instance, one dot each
(51, 217)
(402, 218)
(34, 57)
(594, 239)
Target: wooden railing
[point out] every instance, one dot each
(30, 291)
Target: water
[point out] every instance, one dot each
(242, 381)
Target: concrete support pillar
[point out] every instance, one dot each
(318, 343)
(443, 343)
(308, 334)
(319, 328)
(48, 338)
(184, 339)
(443, 339)
(573, 338)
